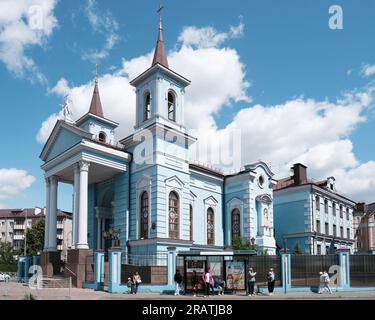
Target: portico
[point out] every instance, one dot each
(80, 171)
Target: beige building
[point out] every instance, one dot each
(14, 222)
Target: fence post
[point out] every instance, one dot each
(286, 271)
(344, 275)
(171, 264)
(114, 279)
(99, 270)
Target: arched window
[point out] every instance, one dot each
(102, 137)
(236, 225)
(174, 216)
(144, 215)
(147, 107)
(191, 222)
(171, 107)
(210, 226)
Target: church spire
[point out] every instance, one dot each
(96, 105)
(160, 55)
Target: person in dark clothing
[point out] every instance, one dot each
(271, 281)
(194, 283)
(178, 282)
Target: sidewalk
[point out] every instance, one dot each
(17, 291)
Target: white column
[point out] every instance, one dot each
(52, 225)
(98, 235)
(82, 220)
(46, 219)
(75, 206)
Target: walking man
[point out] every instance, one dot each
(250, 281)
(321, 282)
(178, 281)
(326, 282)
(271, 281)
(137, 280)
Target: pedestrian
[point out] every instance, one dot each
(271, 281)
(137, 280)
(251, 281)
(321, 282)
(194, 283)
(130, 286)
(326, 282)
(219, 285)
(208, 281)
(177, 281)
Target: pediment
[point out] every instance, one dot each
(63, 137)
(174, 182)
(264, 198)
(211, 201)
(144, 182)
(235, 202)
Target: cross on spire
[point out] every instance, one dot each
(96, 72)
(160, 10)
(160, 56)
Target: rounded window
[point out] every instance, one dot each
(102, 137)
(261, 181)
(171, 107)
(147, 107)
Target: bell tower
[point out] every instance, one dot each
(160, 91)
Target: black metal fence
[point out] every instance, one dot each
(305, 269)
(362, 270)
(261, 265)
(151, 267)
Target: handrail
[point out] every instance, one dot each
(70, 271)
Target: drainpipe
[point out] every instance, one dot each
(312, 220)
(127, 215)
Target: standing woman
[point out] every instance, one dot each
(251, 281)
(137, 281)
(207, 280)
(271, 281)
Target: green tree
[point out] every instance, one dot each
(297, 248)
(242, 244)
(6, 254)
(34, 239)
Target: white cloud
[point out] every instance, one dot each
(314, 132)
(13, 182)
(368, 70)
(118, 97)
(102, 23)
(208, 37)
(25, 24)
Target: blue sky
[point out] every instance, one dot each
(286, 52)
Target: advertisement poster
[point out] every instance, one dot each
(235, 275)
(215, 268)
(197, 265)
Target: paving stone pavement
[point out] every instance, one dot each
(17, 291)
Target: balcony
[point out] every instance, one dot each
(19, 227)
(60, 236)
(18, 237)
(60, 247)
(60, 226)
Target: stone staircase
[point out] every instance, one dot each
(57, 282)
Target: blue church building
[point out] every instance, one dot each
(144, 187)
